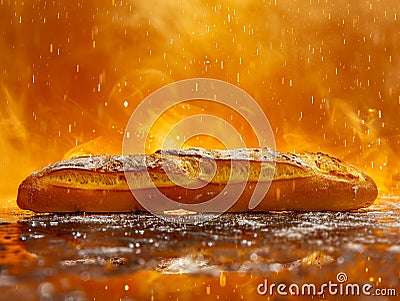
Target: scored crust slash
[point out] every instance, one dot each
(302, 182)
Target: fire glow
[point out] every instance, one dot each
(325, 73)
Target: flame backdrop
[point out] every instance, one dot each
(326, 73)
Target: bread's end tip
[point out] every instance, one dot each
(24, 195)
(371, 189)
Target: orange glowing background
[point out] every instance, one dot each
(326, 73)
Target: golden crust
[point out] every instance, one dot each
(306, 182)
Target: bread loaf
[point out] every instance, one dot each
(302, 182)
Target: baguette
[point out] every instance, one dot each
(301, 182)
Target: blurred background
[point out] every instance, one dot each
(326, 74)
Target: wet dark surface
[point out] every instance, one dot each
(37, 249)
